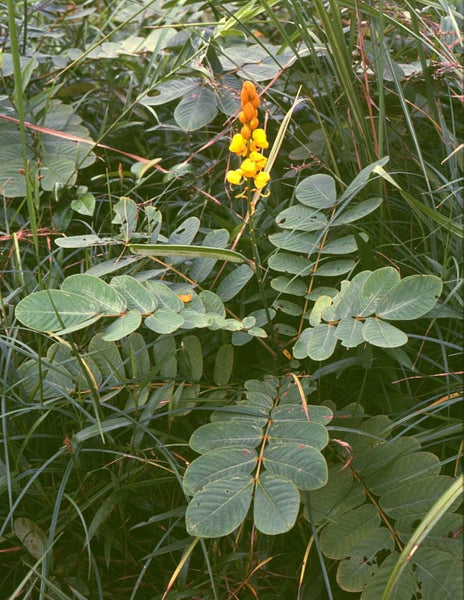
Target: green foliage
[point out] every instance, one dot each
(370, 510)
(259, 448)
(172, 351)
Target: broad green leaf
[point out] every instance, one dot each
(414, 497)
(122, 326)
(184, 234)
(220, 507)
(136, 295)
(31, 536)
(223, 364)
(384, 335)
(440, 574)
(414, 464)
(95, 290)
(300, 349)
(301, 218)
(290, 263)
(317, 191)
(276, 504)
(196, 109)
(347, 530)
(405, 588)
(287, 307)
(51, 381)
(411, 298)
(177, 250)
(225, 435)
(340, 495)
(165, 296)
(376, 287)
(170, 90)
(343, 245)
(296, 412)
(194, 319)
(192, 355)
(135, 352)
(306, 433)
(164, 321)
(212, 303)
(165, 356)
(335, 268)
(348, 295)
(84, 204)
(354, 574)
(234, 282)
(125, 215)
(349, 331)
(53, 310)
(305, 466)
(108, 360)
(220, 463)
(286, 285)
(322, 342)
(354, 213)
(302, 242)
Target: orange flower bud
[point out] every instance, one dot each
(246, 132)
(249, 110)
(248, 92)
(242, 117)
(253, 124)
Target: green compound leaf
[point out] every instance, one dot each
(53, 310)
(322, 342)
(411, 298)
(276, 504)
(96, 290)
(220, 507)
(288, 440)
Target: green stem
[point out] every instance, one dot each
(18, 96)
(254, 249)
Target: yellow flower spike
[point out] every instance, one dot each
(260, 139)
(261, 180)
(238, 145)
(249, 168)
(234, 177)
(259, 160)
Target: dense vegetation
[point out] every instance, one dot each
(231, 284)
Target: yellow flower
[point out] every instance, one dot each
(238, 145)
(260, 139)
(249, 168)
(259, 160)
(234, 177)
(262, 179)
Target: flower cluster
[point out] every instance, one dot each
(249, 142)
